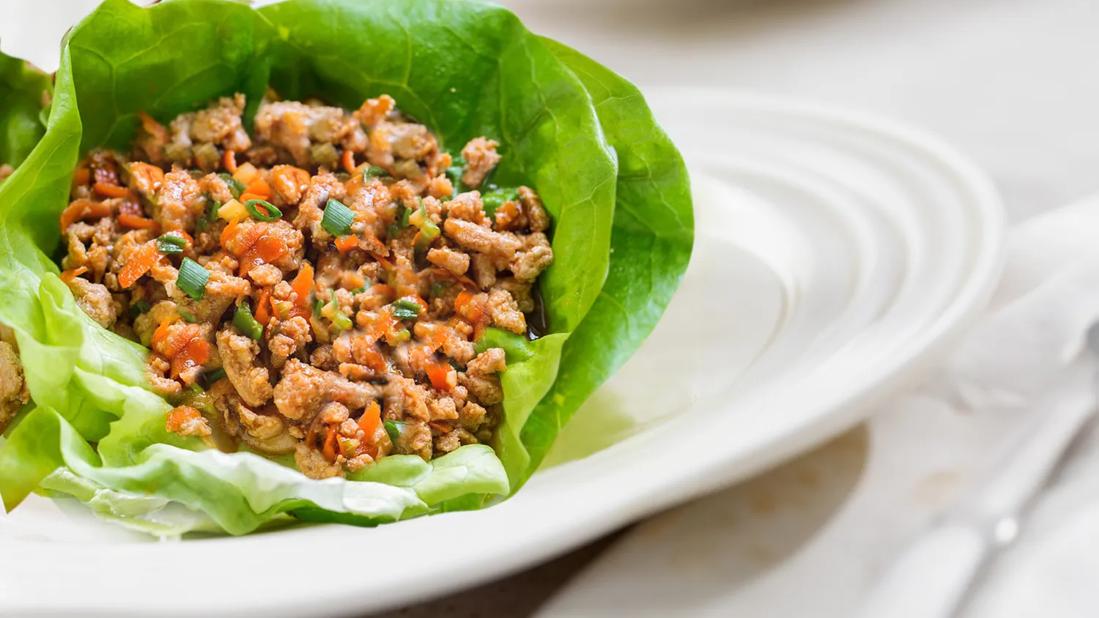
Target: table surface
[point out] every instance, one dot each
(1009, 82)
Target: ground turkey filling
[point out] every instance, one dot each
(314, 288)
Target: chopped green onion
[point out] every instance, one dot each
(211, 214)
(192, 279)
(337, 218)
(170, 243)
(339, 319)
(138, 307)
(406, 309)
(236, 187)
(429, 231)
(495, 198)
(400, 223)
(270, 214)
(374, 172)
(186, 315)
(318, 304)
(246, 323)
(393, 429)
(402, 336)
(213, 376)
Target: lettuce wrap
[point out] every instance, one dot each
(615, 186)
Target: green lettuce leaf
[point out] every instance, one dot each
(650, 248)
(23, 91)
(465, 69)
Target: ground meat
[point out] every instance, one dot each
(453, 261)
(535, 212)
(536, 257)
(376, 318)
(300, 130)
(286, 338)
(482, 240)
(96, 300)
(178, 202)
(13, 389)
(505, 312)
(303, 388)
(481, 158)
(198, 137)
(239, 358)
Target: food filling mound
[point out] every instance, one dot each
(314, 288)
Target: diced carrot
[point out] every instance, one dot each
(442, 376)
(69, 275)
(83, 209)
(194, 354)
(265, 249)
(177, 339)
(246, 196)
(161, 333)
(263, 307)
(108, 190)
(346, 243)
(179, 416)
(303, 284)
(329, 450)
(462, 300)
(82, 176)
(136, 222)
(348, 161)
(139, 263)
(229, 232)
(259, 187)
(371, 419)
(229, 161)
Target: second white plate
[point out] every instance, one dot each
(836, 254)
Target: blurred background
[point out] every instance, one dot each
(1011, 83)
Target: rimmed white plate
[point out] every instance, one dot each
(836, 255)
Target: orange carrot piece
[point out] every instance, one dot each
(259, 187)
(228, 233)
(329, 450)
(83, 209)
(139, 263)
(440, 375)
(263, 304)
(161, 333)
(229, 161)
(69, 275)
(106, 189)
(82, 176)
(179, 416)
(194, 354)
(348, 161)
(346, 243)
(303, 284)
(371, 419)
(136, 222)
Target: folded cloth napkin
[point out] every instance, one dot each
(809, 537)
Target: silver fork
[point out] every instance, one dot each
(936, 573)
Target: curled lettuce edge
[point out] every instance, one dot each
(96, 434)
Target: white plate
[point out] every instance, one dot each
(836, 255)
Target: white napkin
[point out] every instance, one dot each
(809, 537)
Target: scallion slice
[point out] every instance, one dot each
(268, 212)
(246, 323)
(192, 279)
(393, 429)
(170, 243)
(337, 218)
(374, 172)
(236, 187)
(406, 309)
